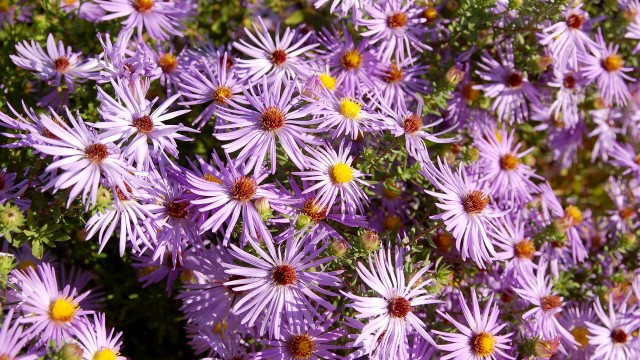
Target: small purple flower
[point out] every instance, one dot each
(161, 19)
(606, 67)
(272, 118)
(56, 63)
(391, 310)
(335, 177)
(96, 342)
(399, 82)
(270, 59)
(13, 340)
(518, 250)
(574, 318)
(479, 339)
(569, 95)
(397, 26)
(508, 86)
(613, 337)
(279, 285)
(606, 130)
(349, 116)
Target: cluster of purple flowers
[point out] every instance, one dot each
(252, 251)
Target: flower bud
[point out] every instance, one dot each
(454, 76)
(302, 221)
(11, 217)
(263, 207)
(370, 240)
(71, 352)
(545, 349)
(338, 247)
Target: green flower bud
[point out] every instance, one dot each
(338, 248)
(70, 352)
(11, 218)
(302, 221)
(370, 240)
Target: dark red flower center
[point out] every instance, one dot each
(412, 124)
(314, 211)
(244, 188)
(278, 57)
(121, 196)
(624, 213)
(569, 81)
(619, 336)
(144, 124)
(399, 307)
(575, 21)
(272, 118)
(61, 64)
(97, 152)
(397, 20)
(394, 74)
(177, 209)
(515, 79)
(550, 302)
(475, 202)
(284, 275)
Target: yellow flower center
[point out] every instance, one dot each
(221, 94)
(508, 162)
(469, 93)
(62, 310)
(350, 108)
(302, 346)
(580, 334)
(392, 223)
(341, 173)
(219, 326)
(574, 214)
(143, 6)
(105, 354)
(483, 344)
(168, 63)
(612, 63)
(351, 59)
(328, 81)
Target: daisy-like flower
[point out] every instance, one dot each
(412, 126)
(624, 156)
(467, 214)
(83, 156)
(216, 85)
(633, 32)
(391, 311)
(508, 86)
(613, 339)
(95, 341)
(56, 63)
(131, 118)
(12, 340)
(51, 312)
(606, 67)
(569, 95)
(335, 177)
(506, 177)
(347, 116)
(567, 38)
(161, 19)
(397, 25)
(279, 286)
(479, 339)
(518, 250)
(537, 291)
(231, 193)
(607, 129)
(398, 82)
(305, 341)
(271, 118)
(273, 59)
(575, 318)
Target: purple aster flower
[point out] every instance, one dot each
(131, 118)
(391, 310)
(500, 162)
(509, 88)
(13, 340)
(479, 339)
(606, 130)
(349, 117)
(633, 32)
(130, 214)
(399, 82)
(231, 193)
(56, 63)
(564, 142)
(624, 217)
(311, 340)
(51, 312)
(412, 126)
(215, 84)
(613, 337)
(574, 318)
(606, 67)
(279, 285)
(397, 25)
(87, 10)
(567, 39)
(118, 60)
(537, 291)
(352, 66)
(161, 19)
(466, 212)
(272, 59)
(95, 341)
(343, 5)
(569, 95)
(83, 156)
(624, 156)
(518, 250)
(272, 118)
(335, 177)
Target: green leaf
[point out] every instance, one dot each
(295, 18)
